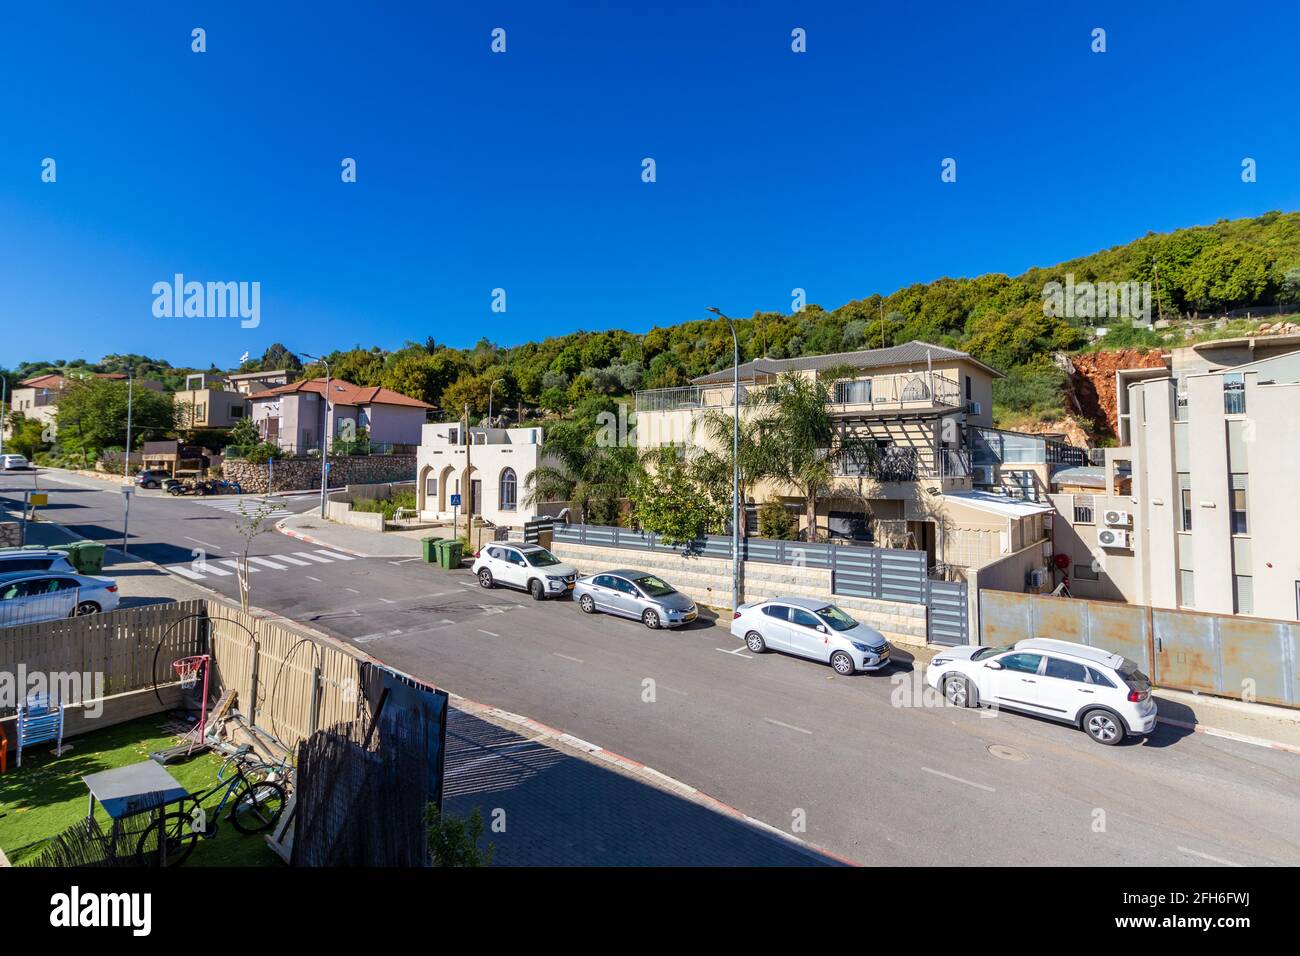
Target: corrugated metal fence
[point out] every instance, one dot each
(884, 574)
(1233, 656)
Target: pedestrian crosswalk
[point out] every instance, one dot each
(236, 506)
(224, 567)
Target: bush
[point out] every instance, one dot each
(258, 454)
(386, 506)
(776, 522)
(453, 841)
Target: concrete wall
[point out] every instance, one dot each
(708, 581)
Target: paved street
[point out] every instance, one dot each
(867, 766)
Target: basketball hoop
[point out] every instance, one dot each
(187, 669)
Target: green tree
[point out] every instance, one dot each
(91, 415)
(671, 499)
(454, 841)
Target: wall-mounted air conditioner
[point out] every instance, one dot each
(1036, 578)
(1112, 538)
(982, 474)
(973, 408)
(1116, 519)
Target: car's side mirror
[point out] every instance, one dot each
(821, 628)
(993, 665)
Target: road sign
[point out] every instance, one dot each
(38, 498)
(455, 501)
(128, 489)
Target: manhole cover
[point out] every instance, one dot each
(1008, 753)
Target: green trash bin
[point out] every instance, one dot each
(429, 548)
(450, 553)
(89, 557)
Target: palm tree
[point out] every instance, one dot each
(717, 465)
(591, 478)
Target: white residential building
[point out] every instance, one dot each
(493, 485)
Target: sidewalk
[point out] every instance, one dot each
(310, 527)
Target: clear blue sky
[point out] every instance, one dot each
(522, 170)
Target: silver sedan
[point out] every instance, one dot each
(637, 594)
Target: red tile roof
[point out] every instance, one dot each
(56, 381)
(344, 393)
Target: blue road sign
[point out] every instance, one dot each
(455, 501)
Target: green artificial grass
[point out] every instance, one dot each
(46, 795)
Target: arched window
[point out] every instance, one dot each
(509, 490)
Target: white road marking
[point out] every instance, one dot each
(1206, 856)
(969, 783)
(738, 652)
(311, 557)
(488, 633)
(566, 657)
(234, 566)
(787, 726)
(285, 557)
(310, 578)
(185, 572)
(204, 543)
(353, 590)
(266, 563)
(404, 560)
(385, 600)
(335, 555)
(208, 567)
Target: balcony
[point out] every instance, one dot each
(910, 391)
(903, 463)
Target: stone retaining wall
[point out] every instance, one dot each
(708, 581)
(303, 474)
(11, 534)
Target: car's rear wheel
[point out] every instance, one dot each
(959, 692)
(86, 607)
(650, 619)
(587, 604)
(842, 663)
(1103, 727)
(485, 579)
(536, 590)
(754, 641)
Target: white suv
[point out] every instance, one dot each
(527, 566)
(1104, 694)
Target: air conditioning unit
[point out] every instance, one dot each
(1116, 519)
(972, 408)
(1113, 538)
(982, 474)
(1036, 578)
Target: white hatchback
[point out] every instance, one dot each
(527, 566)
(14, 463)
(1102, 693)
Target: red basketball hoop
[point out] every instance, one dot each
(187, 669)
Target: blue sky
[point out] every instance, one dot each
(522, 170)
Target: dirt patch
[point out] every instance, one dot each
(1090, 384)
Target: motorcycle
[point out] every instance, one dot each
(175, 487)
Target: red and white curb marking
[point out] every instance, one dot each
(638, 769)
(288, 532)
(1230, 735)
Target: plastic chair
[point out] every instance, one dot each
(40, 720)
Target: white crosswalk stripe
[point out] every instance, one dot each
(267, 563)
(334, 555)
(217, 567)
(248, 505)
(313, 557)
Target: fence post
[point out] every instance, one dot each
(315, 698)
(252, 686)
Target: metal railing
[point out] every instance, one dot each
(896, 390)
(903, 463)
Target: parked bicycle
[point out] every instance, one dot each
(258, 802)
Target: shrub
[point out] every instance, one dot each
(454, 841)
(776, 522)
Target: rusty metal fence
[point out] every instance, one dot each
(1227, 655)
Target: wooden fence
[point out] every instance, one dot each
(122, 646)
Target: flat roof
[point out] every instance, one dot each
(997, 504)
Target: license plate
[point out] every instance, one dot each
(689, 617)
(569, 586)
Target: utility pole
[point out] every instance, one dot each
(126, 463)
(490, 387)
(467, 489)
(1160, 309)
(882, 322)
(735, 461)
(4, 392)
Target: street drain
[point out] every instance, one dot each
(1008, 753)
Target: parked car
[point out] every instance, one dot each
(810, 627)
(151, 478)
(14, 462)
(636, 594)
(23, 559)
(527, 566)
(29, 597)
(1103, 694)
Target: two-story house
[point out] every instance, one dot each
(37, 398)
(207, 402)
(296, 416)
(487, 467)
(918, 407)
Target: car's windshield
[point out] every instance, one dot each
(984, 652)
(836, 618)
(541, 558)
(654, 587)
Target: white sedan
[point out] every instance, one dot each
(812, 628)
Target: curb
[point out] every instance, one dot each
(638, 769)
(279, 526)
(1230, 735)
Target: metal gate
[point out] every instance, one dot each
(949, 617)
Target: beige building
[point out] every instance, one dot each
(37, 398)
(250, 383)
(206, 402)
(1197, 509)
(492, 485)
(927, 410)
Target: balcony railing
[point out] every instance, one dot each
(903, 463)
(878, 393)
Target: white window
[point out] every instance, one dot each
(509, 490)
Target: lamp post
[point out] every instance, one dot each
(490, 387)
(4, 393)
(130, 386)
(735, 461)
(325, 428)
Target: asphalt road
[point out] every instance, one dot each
(869, 766)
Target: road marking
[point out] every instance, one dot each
(738, 652)
(404, 560)
(310, 578)
(385, 600)
(268, 563)
(787, 726)
(204, 543)
(566, 657)
(234, 566)
(969, 783)
(353, 590)
(207, 567)
(285, 557)
(185, 572)
(1206, 856)
(488, 633)
(312, 557)
(335, 555)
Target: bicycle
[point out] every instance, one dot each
(258, 804)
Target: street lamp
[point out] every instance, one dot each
(735, 461)
(325, 427)
(490, 387)
(130, 384)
